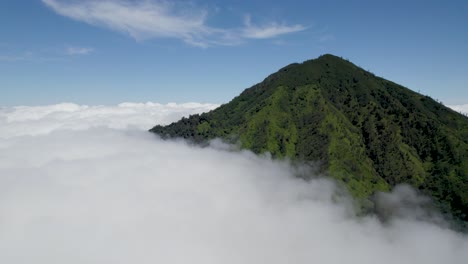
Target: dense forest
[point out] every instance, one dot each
(367, 132)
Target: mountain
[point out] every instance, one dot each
(367, 132)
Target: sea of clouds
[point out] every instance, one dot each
(463, 109)
(89, 184)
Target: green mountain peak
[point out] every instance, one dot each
(366, 132)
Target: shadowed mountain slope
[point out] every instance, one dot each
(367, 132)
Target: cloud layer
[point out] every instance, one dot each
(164, 19)
(35, 120)
(460, 108)
(74, 192)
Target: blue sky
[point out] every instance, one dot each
(107, 52)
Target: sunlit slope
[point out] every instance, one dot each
(365, 131)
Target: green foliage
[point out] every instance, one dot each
(366, 132)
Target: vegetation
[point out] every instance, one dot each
(365, 131)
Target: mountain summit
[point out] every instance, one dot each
(367, 132)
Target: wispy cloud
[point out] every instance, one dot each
(16, 57)
(44, 54)
(163, 19)
(79, 50)
(268, 31)
(11, 58)
(326, 37)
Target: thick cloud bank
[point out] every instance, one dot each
(88, 188)
(25, 120)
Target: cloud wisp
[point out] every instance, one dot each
(268, 31)
(163, 19)
(79, 50)
(10, 58)
(77, 193)
(47, 54)
(25, 56)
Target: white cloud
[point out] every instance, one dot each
(79, 50)
(106, 195)
(460, 108)
(26, 120)
(268, 31)
(162, 19)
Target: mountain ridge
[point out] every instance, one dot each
(367, 132)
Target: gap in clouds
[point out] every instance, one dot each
(72, 191)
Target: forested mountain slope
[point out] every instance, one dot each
(367, 132)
